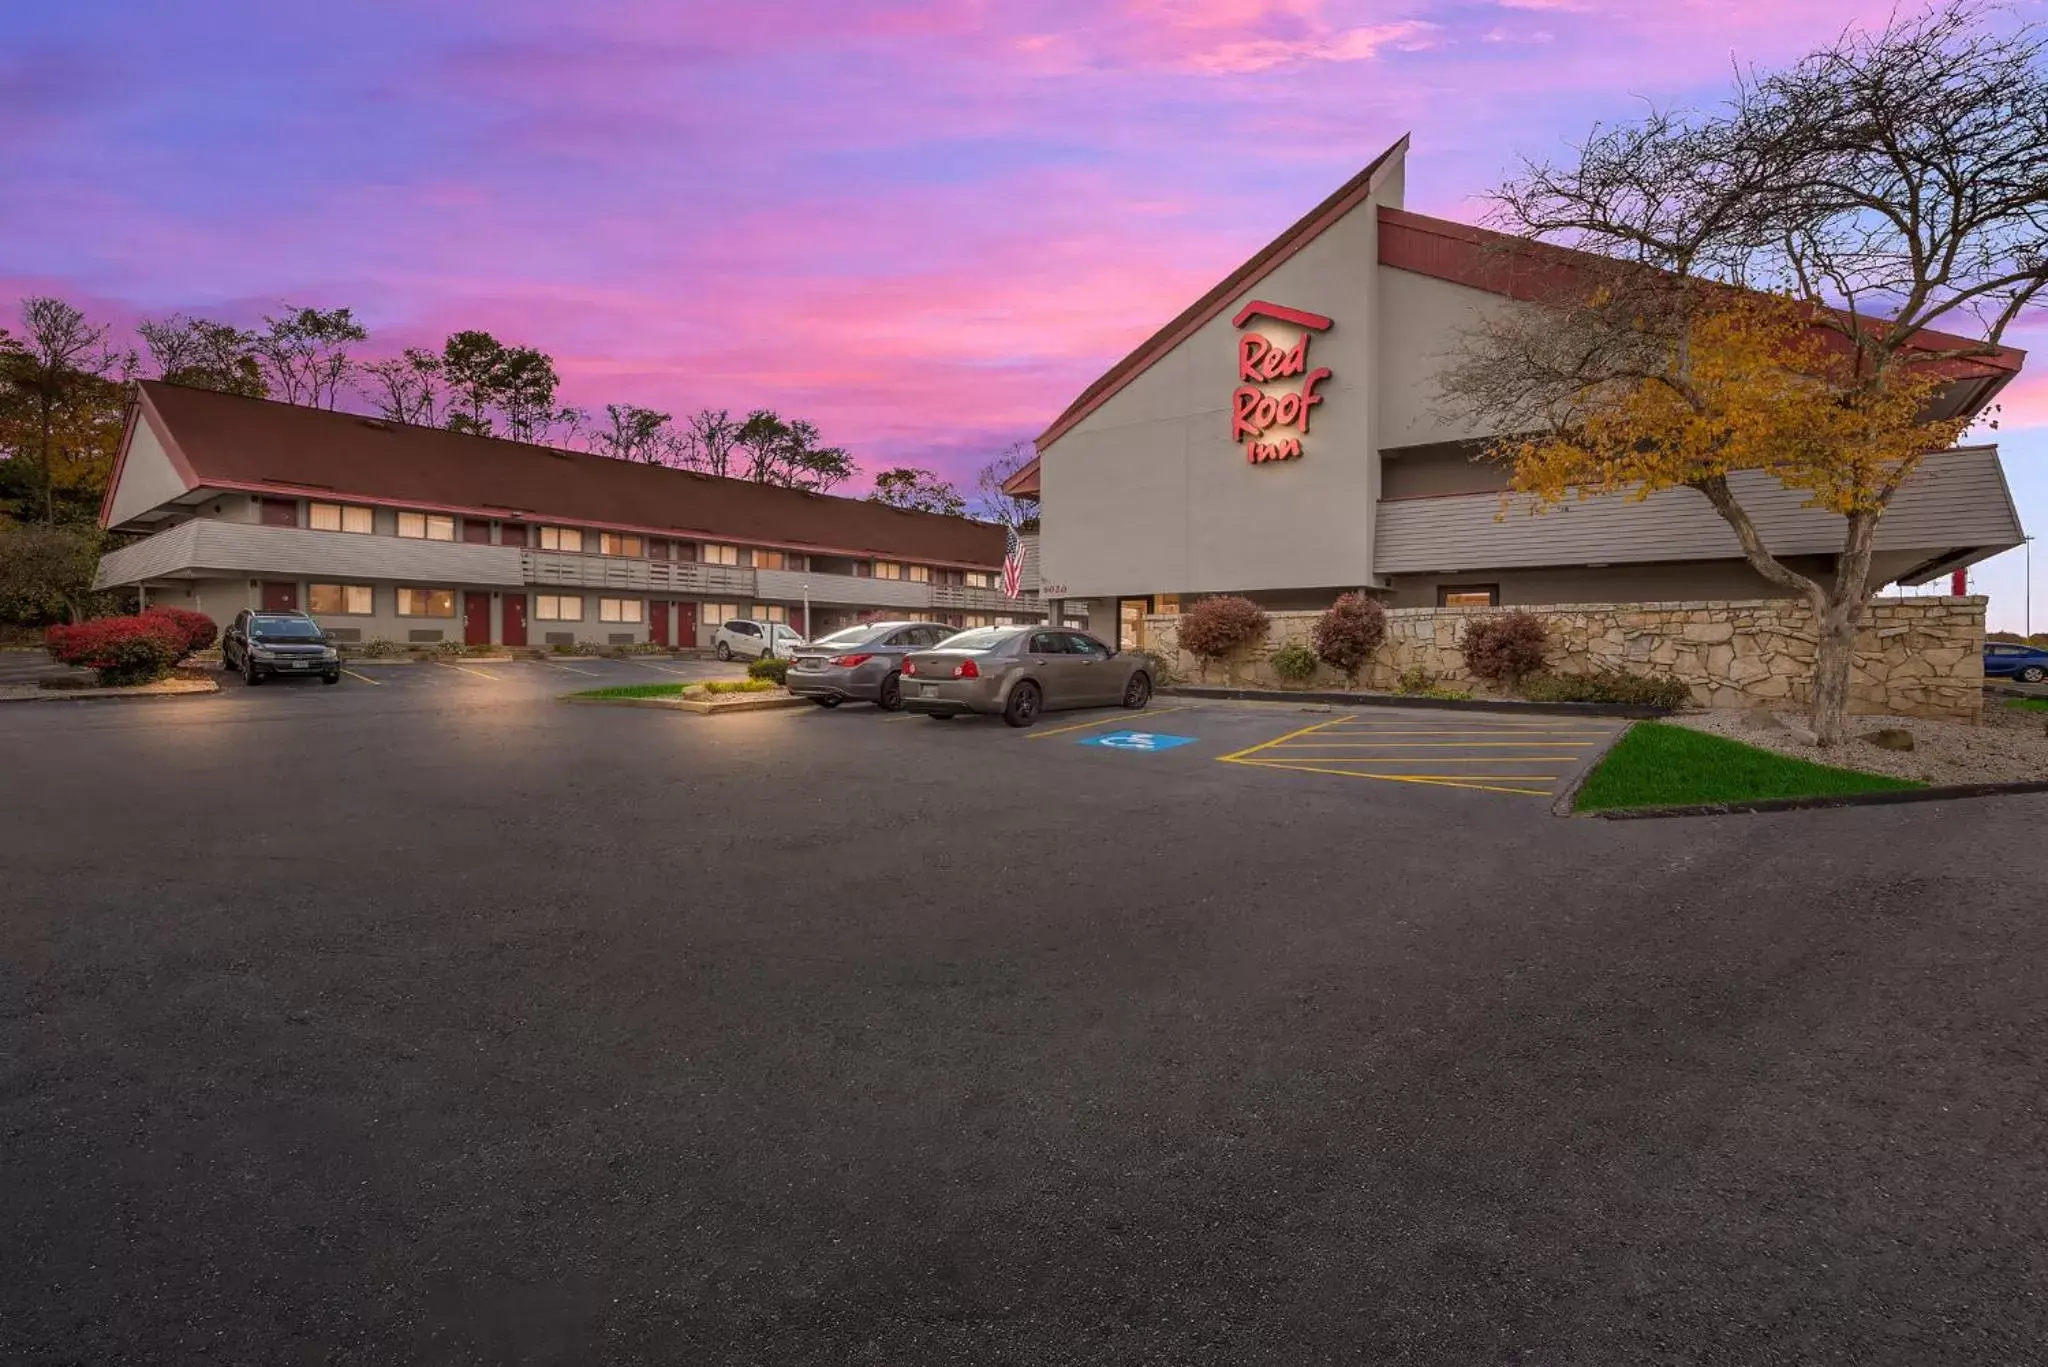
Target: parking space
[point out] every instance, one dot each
(518, 677)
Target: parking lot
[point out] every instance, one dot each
(429, 1019)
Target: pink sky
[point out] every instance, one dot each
(923, 226)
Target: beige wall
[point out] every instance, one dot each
(1422, 319)
(1673, 580)
(148, 479)
(1438, 469)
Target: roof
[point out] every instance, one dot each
(224, 441)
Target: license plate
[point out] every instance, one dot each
(927, 690)
(300, 664)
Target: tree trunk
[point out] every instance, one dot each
(1833, 662)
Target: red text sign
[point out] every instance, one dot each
(1261, 420)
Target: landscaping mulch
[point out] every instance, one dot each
(2009, 747)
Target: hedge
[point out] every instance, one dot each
(121, 650)
(196, 629)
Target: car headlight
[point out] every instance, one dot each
(263, 652)
(329, 653)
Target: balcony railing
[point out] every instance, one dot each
(569, 570)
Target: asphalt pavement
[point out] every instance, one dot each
(430, 1020)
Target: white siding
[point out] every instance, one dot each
(148, 480)
(298, 553)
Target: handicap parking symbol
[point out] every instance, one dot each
(1147, 741)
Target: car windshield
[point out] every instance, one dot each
(783, 633)
(283, 629)
(857, 635)
(979, 638)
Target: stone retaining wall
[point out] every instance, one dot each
(1916, 657)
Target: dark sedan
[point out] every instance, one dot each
(1018, 672)
(2008, 660)
(861, 663)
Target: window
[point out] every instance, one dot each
(769, 612)
(713, 554)
(1078, 644)
(561, 539)
(426, 602)
(345, 600)
(742, 628)
(770, 560)
(976, 619)
(614, 543)
(918, 574)
(282, 629)
(558, 607)
(985, 639)
(339, 517)
(888, 569)
(620, 610)
(1047, 643)
(981, 579)
(718, 612)
(1468, 596)
(426, 526)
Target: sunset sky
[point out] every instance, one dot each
(922, 226)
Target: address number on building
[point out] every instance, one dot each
(1051, 590)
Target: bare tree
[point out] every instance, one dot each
(1894, 184)
(989, 502)
(708, 442)
(405, 388)
(60, 399)
(638, 434)
(305, 354)
(204, 354)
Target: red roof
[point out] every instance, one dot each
(223, 441)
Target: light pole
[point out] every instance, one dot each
(807, 609)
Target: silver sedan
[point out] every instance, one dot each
(860, 663)
(1018, 672)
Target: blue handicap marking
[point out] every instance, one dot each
(1138, 740)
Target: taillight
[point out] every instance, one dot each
(966, 670)
(910, 666)
(849, 661)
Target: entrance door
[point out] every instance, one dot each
(657, 621)
(280, 597)
(686, 625)
(515, 619)
(476, 619)
(1130, 622)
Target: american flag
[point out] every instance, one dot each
(1013, 562)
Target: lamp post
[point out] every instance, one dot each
(806, 586)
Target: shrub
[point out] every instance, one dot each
(644, 648)
(1162, 670)
(1415, 679)
(740, 686)
(383, 650)
(768, 667)
(575, 648)
(1508, 648)
(195, 628)
(1213, 627)
(1296, 664)
(1348, 633)
(1609, 686)
(121, 650)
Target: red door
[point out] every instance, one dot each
(278, 597)
(515, 619)
(657, 621)
(476, 619)
(686, 625)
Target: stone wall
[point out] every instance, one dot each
(1915, 657)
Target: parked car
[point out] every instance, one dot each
(263, 645)
(1018, 672)
(862, 663)
(2005, 660)
(745, 639)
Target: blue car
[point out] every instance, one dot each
(2002, 660)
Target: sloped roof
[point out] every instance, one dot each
(223, 441)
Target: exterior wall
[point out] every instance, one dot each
(1916, 657)
(1671, 581)
(1422, 319)
(1442, 468)
(1148, 494)
(148, 480)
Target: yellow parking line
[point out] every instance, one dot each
(478, 672)
(1390, 778)
(1266, 745)
(1511, 731)
(1288, 757)
(1446, 745)
(1102, 721)
(364, 677)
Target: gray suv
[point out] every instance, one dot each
(863, 663)
(268, 645)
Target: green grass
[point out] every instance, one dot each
(667, 690)
(2027, 704)
(1660, 765)
(742, 686)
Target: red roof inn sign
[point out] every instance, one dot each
(1259, 418)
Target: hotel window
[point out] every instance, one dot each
(613, 543)
(340, 600)
(976, 619)
(716, 615)
(981, 579)
(714, 554)
(558, 607)
(1468, 596)
(770, 560)
(426, 526)
(620, 610)
(561, 539)
(426, 602)
(888, 569)
(770, 612)
(340, 517)
(918, 574)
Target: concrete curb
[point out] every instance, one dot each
(1892, 797)
(189, 688)
(1340, 698)
(740, 703)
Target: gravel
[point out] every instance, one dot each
(2010, 746)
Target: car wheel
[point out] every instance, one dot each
(826, 702)
(1138, 691)
(2033, 674)
(1025, 702)
(249, 674)
(330, 678)
(724, 651)
(891, 697)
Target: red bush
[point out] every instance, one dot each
(1508, 648)
(1213, 627)
(1347, 635)
(123, 650)
(196, 628)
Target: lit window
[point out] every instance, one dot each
(1468, 596)
(426, 526)
(981, 579)
(716, 613)
(613, 543)
(888, 569)
(919, 574)
(339, 517)
(558, 607)
(977, 619)
(620, 610)
(769, 612)
(561, 539)
(713, 554)
(340, 600)
(770, 560)
(426, 602)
